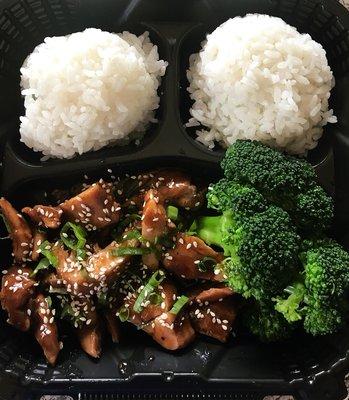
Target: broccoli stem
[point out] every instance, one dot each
(212, 228)
(290, 307)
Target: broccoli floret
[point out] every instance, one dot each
(227, 195)
(286, 181)
(261, 249)
(263, 321)
(313, 210)
(318, 298)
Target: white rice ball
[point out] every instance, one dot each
(258, 78)
(87, 90)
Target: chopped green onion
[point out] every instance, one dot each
(79, 233)
(102, 299)
(124, 224)
(48, 253)
(67, 311)
(130, 251)
(49, 301)
(57, 290)
(179, 304)
(44, 263)
(192, 229)
(172, 212)
(124, 314)
(81, 254)
(207, 264)
(155, 298)
(6, 223)
(153, 283)
(132, 235)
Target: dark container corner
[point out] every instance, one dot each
(310, 369)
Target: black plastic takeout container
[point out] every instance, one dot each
(306, 367)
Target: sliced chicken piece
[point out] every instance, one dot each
(151, 260)
(154, 218)
(183, 260)
(73, 274)
(104, 267)
(213, 311)
(16, 291)
(170, 331)
(214, 320)
(45, 328)
(205, 293)
(47, 216)
(94, 208)
(20, 231)
(38, 238)
(173, 186)
(89, 329)
(90, 338)
(113, 325)
(168, 294)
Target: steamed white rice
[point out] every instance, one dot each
(258, 78)
(87, 90)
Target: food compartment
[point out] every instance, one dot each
(18, 39)
(298, 359)
(317, 19)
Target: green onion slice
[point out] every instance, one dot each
(124, 314)
(57, 290)
(48, 253)
(124, 224)
(49, 301)
(153, 283)
(207, 264)
(179, 304)
(67, 311)
(79, 240)
(132, 235)
(44, 263)
(102, 299)
(155, 298)
(172, 212)
(130, 251)
(81, 254)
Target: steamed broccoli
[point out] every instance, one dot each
(227, 195)
(261, 249)
(316, 298)
(263, 321)
(286, 181)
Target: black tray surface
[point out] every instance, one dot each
(303, 366)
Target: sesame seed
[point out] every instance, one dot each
(224, 327)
